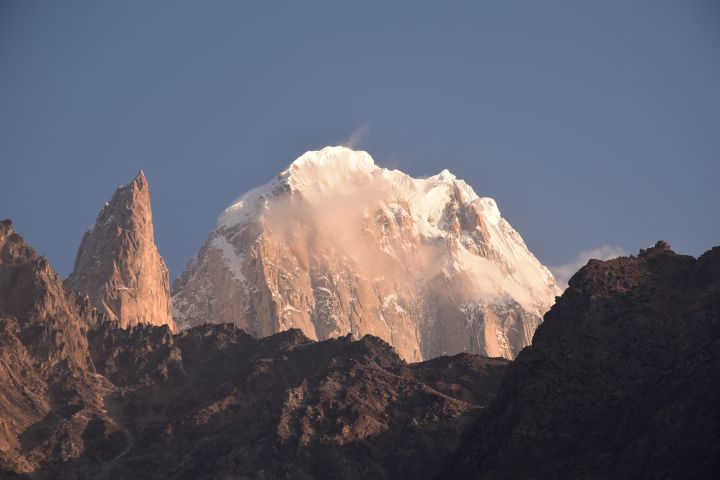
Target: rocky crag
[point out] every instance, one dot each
(622, 379)
(49, 392)
(118, 264)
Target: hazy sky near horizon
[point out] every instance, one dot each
(595, 125)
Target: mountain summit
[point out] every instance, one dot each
(118, 264)
(336, 245)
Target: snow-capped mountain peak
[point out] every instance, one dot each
(328, 168)
(336, 244)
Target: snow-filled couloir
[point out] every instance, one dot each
(336, 245)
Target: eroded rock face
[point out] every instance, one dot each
(48, 390)
(118, 264)
(622, 379)
(336, 245)
(33, 298)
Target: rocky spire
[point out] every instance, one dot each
(118, 264)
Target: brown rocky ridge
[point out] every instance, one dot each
(118, 264)
(49, 391)
(622, 379)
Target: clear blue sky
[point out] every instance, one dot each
(591, 123)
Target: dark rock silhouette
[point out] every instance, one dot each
(622, 379)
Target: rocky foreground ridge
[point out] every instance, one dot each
(622, 381)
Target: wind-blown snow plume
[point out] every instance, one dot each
(357, 137)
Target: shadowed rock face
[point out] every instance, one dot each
(622, 379)
(118, 264)
(214, 400)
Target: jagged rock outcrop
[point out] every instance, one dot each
(336, 245)
(118, 264)
(48, 389)
(622, 379)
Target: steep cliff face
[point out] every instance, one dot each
(622, 379)
(34, 299)
(118, 264)
(48, 391)
(336, 245)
